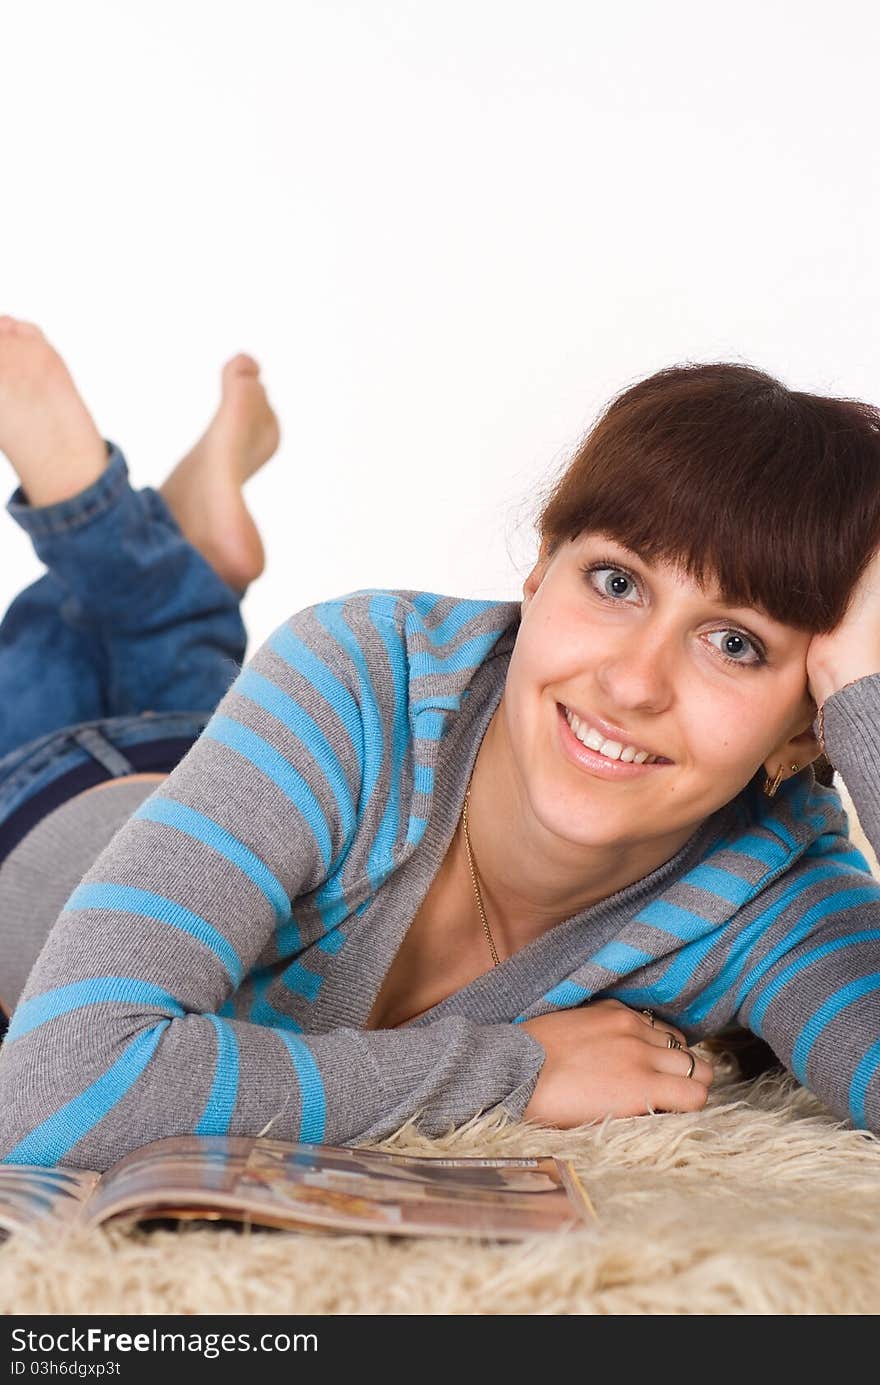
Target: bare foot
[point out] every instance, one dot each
(203, 491)
(46, 430)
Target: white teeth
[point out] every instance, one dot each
(613, 750)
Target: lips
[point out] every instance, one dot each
(613, 733)
(602, 766)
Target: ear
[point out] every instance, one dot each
(800, 749)
(536, 576)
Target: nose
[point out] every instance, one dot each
(639, 674)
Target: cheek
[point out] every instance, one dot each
(552, 652)
(729, 733)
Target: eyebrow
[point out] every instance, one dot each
(725, 606)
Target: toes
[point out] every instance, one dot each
(14, 326)
(240, 365)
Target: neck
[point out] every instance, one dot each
(530, 879)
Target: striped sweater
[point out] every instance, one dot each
(212, 972)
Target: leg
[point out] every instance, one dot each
(130, 616)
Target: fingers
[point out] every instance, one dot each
(677, 1063)
(679, 1094)
(660, 1029)
(656, 1031)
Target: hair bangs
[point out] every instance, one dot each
(765, 497)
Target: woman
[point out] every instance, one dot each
(391, 878)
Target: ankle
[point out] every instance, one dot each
(65, 476)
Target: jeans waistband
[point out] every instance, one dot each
(110, 746)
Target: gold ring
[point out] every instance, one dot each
(672, 1041)
(690, 1071)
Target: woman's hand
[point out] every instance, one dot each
(604, 1059)
(852, 649)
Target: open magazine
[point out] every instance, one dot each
(299, 1187)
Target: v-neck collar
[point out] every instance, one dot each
(508, 990)
(750, 840)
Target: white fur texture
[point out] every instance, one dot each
(761, 1204)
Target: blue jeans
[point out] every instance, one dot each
(129, 638)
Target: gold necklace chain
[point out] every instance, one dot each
(467, 840)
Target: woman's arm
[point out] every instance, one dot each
(851, 727)
(117, 1039)
(815, 995)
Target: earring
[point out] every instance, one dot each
(770, 788)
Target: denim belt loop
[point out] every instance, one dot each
(101, 750)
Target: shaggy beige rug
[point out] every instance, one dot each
(762, 1203)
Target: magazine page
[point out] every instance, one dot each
(35, 1200)
(324, 1188)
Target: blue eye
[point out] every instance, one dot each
(734, 634)
(610, 592)
(613, 586)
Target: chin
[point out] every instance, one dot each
(583, 820)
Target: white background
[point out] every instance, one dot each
(448, 231)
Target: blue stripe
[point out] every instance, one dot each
(313, 1121)
(827, 1011)
(671, 918)
(127, 899)
(723, 884)
(334, 692)
(854, 860)
(448, 702)
(858, 1090)
(425, 602)
(566, 994)
(824, 909)
(288, 939)
(204, 829)
(260, 1010)
(620, 957)
(415, 830)
(49, 1142)
(850, 862)
(789, 841)
(281, 772)
(467, 656)
(667, 988)
(98, 990)
(301, 981)
(221, 1102)
(263, 1013)
(309, 735)
(428, 724)
(761, 849)
(681, 969)
(747, 939)
(454, 621)
(332, 902)
(330, 614)
(423, 779)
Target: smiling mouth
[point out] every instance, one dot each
(609, 748)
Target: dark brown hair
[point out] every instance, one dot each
(724, 472)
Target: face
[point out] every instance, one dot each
(716, 691)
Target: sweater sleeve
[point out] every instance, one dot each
(814, 993)
(117, 1040)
